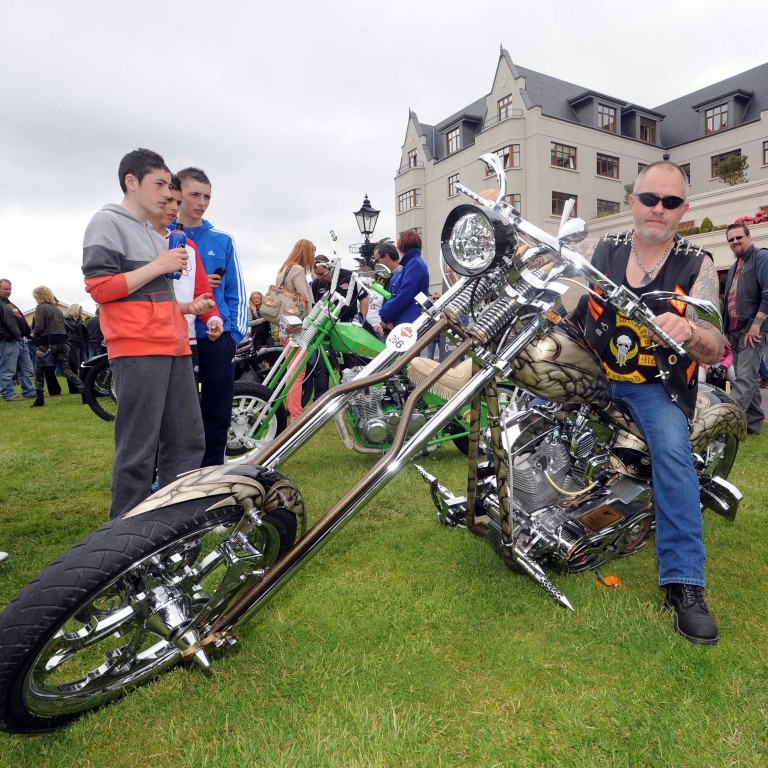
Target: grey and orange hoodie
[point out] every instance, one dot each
(147, 321)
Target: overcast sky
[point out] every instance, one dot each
(295, 110)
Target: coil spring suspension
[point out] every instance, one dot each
(495, 318)
(307, 336)
(461, 303)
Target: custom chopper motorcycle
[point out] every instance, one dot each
(171, 581)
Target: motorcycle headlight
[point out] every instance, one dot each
(475, 239)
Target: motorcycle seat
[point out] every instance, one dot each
(448, 384)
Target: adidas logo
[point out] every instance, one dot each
(211, 253)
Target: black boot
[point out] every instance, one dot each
(39, 401)
(692, 618)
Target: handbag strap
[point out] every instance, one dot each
(286, 273)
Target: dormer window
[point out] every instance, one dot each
(606, 118)
(453, 141)
(647, 130)
(413, 158)
(716, 119)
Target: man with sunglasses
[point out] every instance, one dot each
(657, 386)
(745, 309)
(357, 308)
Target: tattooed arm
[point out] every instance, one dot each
(706, 344)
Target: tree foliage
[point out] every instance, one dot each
(732, 170)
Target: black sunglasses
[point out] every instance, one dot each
(651, 200)
(735, 238)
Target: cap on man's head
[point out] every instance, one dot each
(320, 259)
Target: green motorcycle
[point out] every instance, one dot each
(342, 349)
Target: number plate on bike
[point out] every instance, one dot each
(402, 337)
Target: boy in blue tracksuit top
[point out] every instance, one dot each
(216, 360)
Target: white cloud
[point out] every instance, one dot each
(294, 110)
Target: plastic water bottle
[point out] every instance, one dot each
(177, 239)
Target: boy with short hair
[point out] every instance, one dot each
(216, 361)
(125, 264)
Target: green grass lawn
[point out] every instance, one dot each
(406, 644)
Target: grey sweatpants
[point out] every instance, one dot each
(746, 389)
(158, 420)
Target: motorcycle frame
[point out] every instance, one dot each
(401, 451)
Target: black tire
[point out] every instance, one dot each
(99, 390)
(244, 430)
(77, 637)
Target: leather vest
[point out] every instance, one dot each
(679, 272)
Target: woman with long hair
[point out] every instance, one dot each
(261, 334)
(51, 334)
(292, 276)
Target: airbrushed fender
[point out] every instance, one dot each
(238, 484)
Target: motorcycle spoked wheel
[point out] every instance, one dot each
(99, 390)
(246, 402)
(719, 454)
(77, 637)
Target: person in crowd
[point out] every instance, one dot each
(50, 333)
(292, 276)
(125, 264)
(15, 361)
(261, 331)
(193, 281)
(49, 371)
(216, 360)
(657, 386)
(720, 374)
(356, 310)
(77, 338)
(745, 309)
(323, 271)
(411, 279)
(375, 301)
(95, 336)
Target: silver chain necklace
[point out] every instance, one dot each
(648, 273)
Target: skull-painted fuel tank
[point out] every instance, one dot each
(562, 367)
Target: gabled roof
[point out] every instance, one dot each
(679, 121)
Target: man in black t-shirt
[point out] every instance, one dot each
(357, 310)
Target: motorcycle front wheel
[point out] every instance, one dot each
(99, 390)
(118, 609)
(246, 428)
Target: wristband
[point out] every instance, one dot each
(693, 332)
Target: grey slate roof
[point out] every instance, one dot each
(680, 122)
(683, 123)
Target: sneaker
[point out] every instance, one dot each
(3, 556)
(692, 618)
(11, 399)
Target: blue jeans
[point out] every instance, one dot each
(679, 527)
(9, 358)
(25, 371)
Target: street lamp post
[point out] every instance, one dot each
(366, 223)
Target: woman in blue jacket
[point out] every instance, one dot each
(407, 282)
